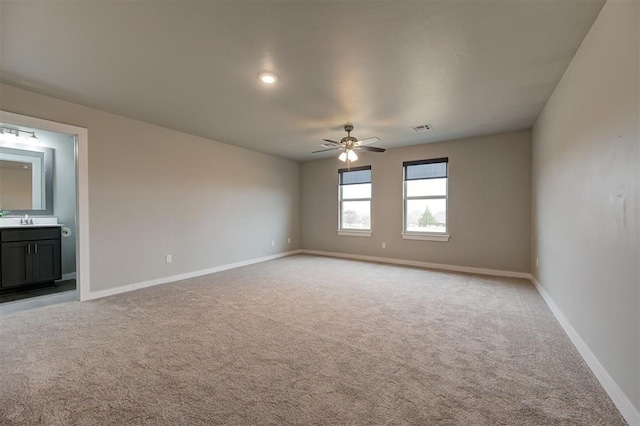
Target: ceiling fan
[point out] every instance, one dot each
(349, 144)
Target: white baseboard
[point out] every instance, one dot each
(70, 276)
(455, 268)
(136, 286)
(628, 411)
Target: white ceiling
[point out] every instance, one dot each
(466, 67)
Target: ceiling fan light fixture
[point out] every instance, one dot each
(348, 144)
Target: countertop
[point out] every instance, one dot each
(46, 225)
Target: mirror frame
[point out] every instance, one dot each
(48, 180)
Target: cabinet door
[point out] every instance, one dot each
(17, 263)
(46, 260)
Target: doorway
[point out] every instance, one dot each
(77, 137)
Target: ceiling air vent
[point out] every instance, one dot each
(422, 128)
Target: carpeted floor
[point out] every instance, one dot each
(301, 340)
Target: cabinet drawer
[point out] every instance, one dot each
(30, 234)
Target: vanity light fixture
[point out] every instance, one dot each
(8, 134)
(11, 135)
(268, 78)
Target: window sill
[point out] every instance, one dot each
(354, 233)
(425, 237)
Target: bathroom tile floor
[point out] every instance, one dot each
(62, 291)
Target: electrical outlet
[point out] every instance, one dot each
(384, 245)
(169, 258)
(289, 240)
(273, 243)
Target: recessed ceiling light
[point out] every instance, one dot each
(268, 78)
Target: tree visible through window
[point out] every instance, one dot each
(425, 196)
(428, 219)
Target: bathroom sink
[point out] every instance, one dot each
(6, 222)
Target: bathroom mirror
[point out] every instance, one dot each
(26, 180)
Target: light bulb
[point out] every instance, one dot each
(8, 136)
(351, 156)
(268, 78)
(343, 156)
(30, 140)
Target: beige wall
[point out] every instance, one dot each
(16, 189)
(154, 191)
(585, 194)
(489, 204)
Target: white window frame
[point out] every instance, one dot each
(425, 236)
(348, 232)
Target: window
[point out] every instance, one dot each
(425, 199)
(354, 195)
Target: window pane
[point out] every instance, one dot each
(426, 215)
(356, 215)
(426, 187)
(362, 190)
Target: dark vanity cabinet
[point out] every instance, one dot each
(29, 256)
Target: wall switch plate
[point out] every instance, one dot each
(384, 245)
(169, 258)
(289, 240)
(537, 262)
(273, 243)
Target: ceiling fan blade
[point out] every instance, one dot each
(330, 141)
(370, 148)
(368, 141)
(324, 150)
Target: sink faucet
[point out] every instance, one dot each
(26, 220)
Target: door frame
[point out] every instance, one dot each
(81, 141)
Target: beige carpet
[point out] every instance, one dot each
(301, 340)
